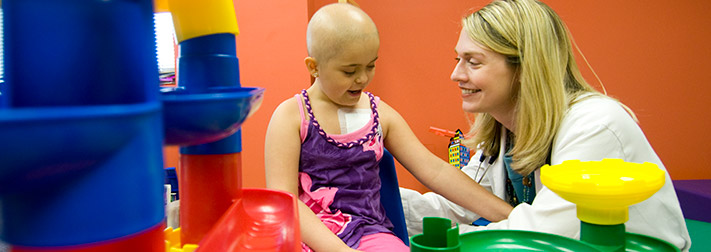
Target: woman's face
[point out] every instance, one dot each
(486, 80)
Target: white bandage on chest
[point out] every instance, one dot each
(352, 119)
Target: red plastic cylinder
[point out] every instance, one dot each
(262, 220)
(207, 186)
(150, 240)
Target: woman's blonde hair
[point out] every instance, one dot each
(536, 42)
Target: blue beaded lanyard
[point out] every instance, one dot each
(519, 188)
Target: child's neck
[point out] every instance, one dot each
(326, 111)
(316, 95)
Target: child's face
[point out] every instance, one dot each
(343, 77)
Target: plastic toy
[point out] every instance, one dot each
(442, 132)
(602, 190)
(458, 153)
(262, 220)
(82, 127)
(203, 115)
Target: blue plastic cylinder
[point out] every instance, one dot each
(81, 124)
(208, 62)
(114, 197)
(43, 145)
(4, 91)
(227, 145)
(79, 52)
(171, 178)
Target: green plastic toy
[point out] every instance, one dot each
(602, 190)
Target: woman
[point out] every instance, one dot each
(516, 69)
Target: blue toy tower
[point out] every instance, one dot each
(83, 123)
(80, 126)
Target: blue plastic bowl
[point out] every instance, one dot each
(192, 119)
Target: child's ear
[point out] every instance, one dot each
(312, 66)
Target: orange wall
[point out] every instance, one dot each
(271, 49)
(652, 56)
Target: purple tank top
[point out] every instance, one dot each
(339, 178)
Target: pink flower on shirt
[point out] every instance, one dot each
(319, 201)
(374, 145)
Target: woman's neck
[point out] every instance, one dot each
(507, 120)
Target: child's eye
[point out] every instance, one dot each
(349, 73)
(371, 67)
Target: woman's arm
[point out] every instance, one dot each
(435, 173)
(417, 205)
(282, 150)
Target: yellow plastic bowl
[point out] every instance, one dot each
(603, 190)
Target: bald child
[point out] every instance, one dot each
(325, 143)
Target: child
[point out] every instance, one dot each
(324, 144)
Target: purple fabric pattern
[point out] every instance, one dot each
(352, 170)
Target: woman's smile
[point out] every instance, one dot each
(467, 92)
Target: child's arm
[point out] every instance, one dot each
(435, 173)
(281, 160)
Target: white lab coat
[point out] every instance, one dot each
(593, 129)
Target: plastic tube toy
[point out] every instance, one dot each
(438, 235)
(203, 115)
(602, 191)
(80, 127)
(200, 119)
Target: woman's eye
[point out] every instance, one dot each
(468, 61)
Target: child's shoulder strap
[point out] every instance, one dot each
(303, 126)
(299, 100)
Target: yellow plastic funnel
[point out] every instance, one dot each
(199, 18)
(603, 190)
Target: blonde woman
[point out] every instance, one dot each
(517, 73)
